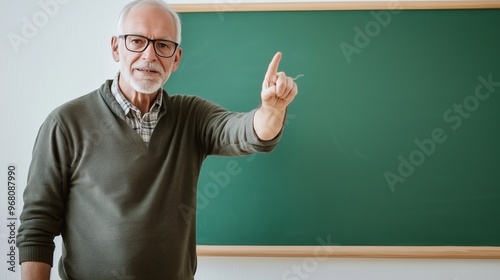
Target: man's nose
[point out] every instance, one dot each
(149, 53)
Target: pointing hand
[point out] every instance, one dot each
(278, 90)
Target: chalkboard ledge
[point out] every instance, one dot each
(412, 252)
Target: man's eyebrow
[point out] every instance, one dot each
(159, 38)
(164, 38)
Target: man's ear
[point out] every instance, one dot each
(114, 48)
(177, 59)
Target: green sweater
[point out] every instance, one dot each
(118, 203)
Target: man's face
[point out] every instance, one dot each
(145, 72)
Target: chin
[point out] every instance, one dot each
(146, 87)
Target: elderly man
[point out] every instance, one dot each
(110, 169)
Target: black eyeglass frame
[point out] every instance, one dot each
(124, 37)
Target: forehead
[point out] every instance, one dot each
(150, 21)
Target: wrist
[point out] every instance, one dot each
(270, 110)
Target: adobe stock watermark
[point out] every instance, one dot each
(225, 6)
(310, 265)
(364, 36)
(30, 26)
(453, 116)
(219, 181)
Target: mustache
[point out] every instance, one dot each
(148, 66)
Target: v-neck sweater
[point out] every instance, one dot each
(117, 202)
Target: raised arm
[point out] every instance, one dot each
(278, 91)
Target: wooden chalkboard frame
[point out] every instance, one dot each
(400, 252)
(346, 5)
(407, 252)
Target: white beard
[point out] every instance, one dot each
(146, 86)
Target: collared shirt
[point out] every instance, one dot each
(143, 125)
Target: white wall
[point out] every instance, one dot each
(56, 50)
(345, 269)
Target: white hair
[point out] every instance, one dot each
(156, 3)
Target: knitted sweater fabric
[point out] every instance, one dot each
(117, 202)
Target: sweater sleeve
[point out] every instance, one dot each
(230, 133)
(44, 196)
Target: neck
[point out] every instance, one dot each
(142, 101)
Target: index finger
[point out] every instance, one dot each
(272, 70)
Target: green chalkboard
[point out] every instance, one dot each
(394, 138)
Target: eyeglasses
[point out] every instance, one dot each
(137, 43)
